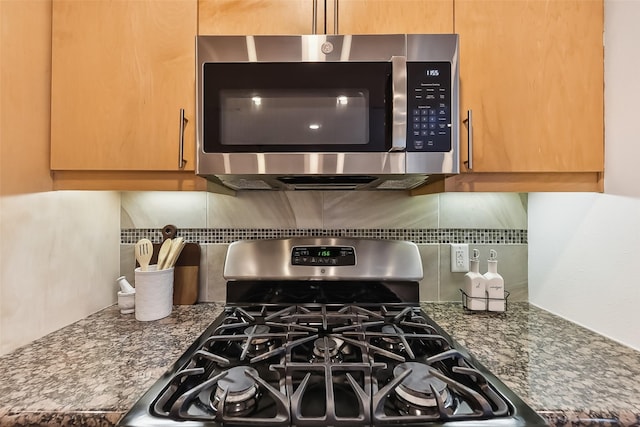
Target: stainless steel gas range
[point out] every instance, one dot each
(326, 332)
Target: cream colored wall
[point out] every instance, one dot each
(59, 251)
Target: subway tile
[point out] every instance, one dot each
(155, 209)
(214, 286)
(483, 210)
(381, 209)
(265, 209)
(430, 266)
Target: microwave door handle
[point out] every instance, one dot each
(399, 103)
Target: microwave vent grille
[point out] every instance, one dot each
(402, 184)
(248, 184)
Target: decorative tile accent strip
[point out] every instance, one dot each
(419, 236)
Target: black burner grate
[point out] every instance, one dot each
(323, 364)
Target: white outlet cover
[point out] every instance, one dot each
(459, 257)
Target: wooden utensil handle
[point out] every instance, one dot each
(169, 232)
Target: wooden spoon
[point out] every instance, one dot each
(162, 254)
(144, 251)
(177, 245)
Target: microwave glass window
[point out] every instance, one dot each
(299, 106)
(294, 117)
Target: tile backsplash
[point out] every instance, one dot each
(418, 236)
(483, 220)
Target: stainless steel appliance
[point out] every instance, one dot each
(327, 111)
(326, 332)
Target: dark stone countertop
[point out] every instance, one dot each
(568, 374)
(91, 372)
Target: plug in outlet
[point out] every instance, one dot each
(459, 258)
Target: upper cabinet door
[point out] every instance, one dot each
(121, 72)
(532, 74)
(242, 17)
(390, 16)
(297, 16)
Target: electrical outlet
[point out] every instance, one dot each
(459, 258)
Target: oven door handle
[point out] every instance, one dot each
(398, 103)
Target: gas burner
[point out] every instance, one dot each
(242, 392)
(258, 329)
(327, 348)
(414, 396)
(257, 346)
(391, 341)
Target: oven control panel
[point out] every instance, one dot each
(323, 255)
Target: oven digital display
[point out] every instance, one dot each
(323, 255)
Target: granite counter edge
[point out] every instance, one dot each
(60, 418)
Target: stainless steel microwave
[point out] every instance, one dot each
(327, 111)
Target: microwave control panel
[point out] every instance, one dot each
(429, 106)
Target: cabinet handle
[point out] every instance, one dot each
(469, 122)
(314, 23)
(335, 16)
(314, 17)
(183, 123)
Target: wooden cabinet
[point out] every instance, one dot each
(121, 73)
(532, 74)
(241, 17)
(392, 16)
(297, 16)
